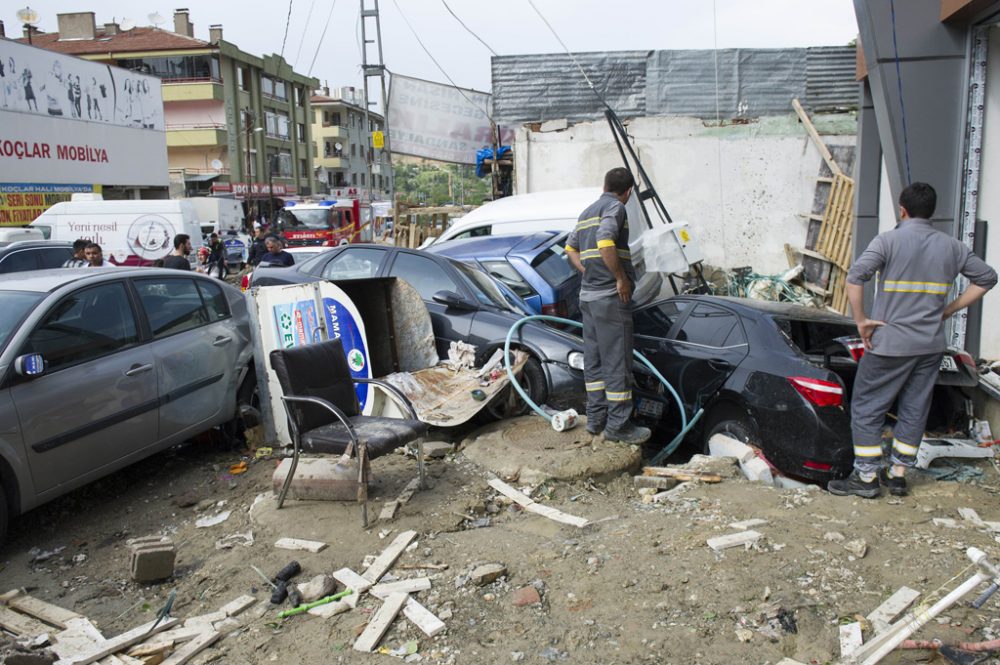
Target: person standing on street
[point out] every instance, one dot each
(79, 260)
(905, 340)
(258, 247)
(276, 255)
(178, 259)
(598, 248)
(95, 256)
(217, 256)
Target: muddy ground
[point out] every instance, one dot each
(638, 585)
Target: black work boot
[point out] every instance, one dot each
(596, 427)
(897, 486)
(853, 485)
(630, 433)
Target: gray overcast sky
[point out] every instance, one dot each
(509, 27)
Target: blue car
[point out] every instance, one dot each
(533, 265)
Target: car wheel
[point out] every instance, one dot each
(508, 404)
(732, 424)
(247, 410)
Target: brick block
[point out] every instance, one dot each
(151, 558)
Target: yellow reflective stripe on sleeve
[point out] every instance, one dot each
(588, 254)
(571, 248)
(605, 243)
(587, 223)
(900, 286)
(624, 254)
(593, 386)
(867, 451)
(904, 448)
(619, 397)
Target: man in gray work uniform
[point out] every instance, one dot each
(905, 341)
(598, 248)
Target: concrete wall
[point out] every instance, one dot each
(742, 187)
(198, 113)
(989, 193)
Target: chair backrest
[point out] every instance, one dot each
(316, 370)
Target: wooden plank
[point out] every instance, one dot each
(421, 617)
(120, 642)
(151, 649)
(13, 593)
(408, 492)
(402, 586)
(380, 623)
(203, 619)
(883, 615)
(20, 624)
(80, 636)
(234, 607)
(814, 135)
(681, 474)
(850, 639)
(384, 561)
(352, 580)
(721, 543)
(530, 505)
(47, 612)
(389, 511)
(746, 524)
(331, 609)
(191, 649)
(299, 545)
(182, 633)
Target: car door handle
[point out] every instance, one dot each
(137, 369)
(719, 364)
(222, 341)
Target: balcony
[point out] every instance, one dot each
(192, 90)
(330, 132)
(331, 162)
(197, 135)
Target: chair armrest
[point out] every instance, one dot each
(329, 407)
(393, 392)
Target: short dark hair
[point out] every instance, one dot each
(80, 244)
(919, 199)
(93, 245)
(618, 180)
(180, 239)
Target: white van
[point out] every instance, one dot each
(219, 213)
(130, 232)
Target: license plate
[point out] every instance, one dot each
(649, 408)
(948, 364)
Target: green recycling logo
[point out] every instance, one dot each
(285, 321)
(356, 360)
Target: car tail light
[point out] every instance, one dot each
(964, 358)
(817, 466)
(817, 391)
(245, 282)
(556, 309)
(856, 349)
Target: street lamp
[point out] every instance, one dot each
(29, 17)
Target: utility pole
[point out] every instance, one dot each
(371, 70)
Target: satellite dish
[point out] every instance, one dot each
(216, 164)
(126, 25)
(157, 19)
(27, 15)
(338, 146)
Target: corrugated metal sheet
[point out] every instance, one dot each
(830, 78)
(751, 83)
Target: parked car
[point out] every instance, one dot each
(100, 368)
(534, 266)
(776, 375)
(299, 253)
(465, 304)
(22, 255)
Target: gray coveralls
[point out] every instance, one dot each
(917, 266)
(607, 321)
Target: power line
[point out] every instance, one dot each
(467, 28)
(305, 29)
(288, 21)
(438, 64)
(321, 37)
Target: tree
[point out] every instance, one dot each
(436, 184)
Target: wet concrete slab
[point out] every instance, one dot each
(527, 450)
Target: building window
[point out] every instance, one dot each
(274, 88)
(277, 125)
(354, 179)
(303, 169)
(176, 67)
(243, 78)
(301, 132)
(363, 175)
(336, 119)
(253, 162)
(300, 96)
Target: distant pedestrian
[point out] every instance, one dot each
(276, 256)
(178, 259)
(217, 256)
(95, 256)
(257, 248)
(79, 259)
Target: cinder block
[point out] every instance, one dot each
(757, 470)
(319, 479)
(721, 445)
(151, 558)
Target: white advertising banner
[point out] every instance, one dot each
(436, 121)
(64, 120)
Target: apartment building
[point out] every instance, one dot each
(343, 146)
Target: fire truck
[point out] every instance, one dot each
(329, 223)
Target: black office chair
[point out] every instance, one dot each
(325, 417)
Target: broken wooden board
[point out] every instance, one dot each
(421, 617)
(681, 474)
(970, 515)
(532, 506)
(746, 524)
(850, 639)
(47, 612)
(883, 615)
(234, 607)
(80, 636)
(721, 543)
(380, 622)
(384, 561)
(414, 585)
(205, 619)
(120, 642)
(388, 511)
(331, 609)
(22, 624)
(192, 648)
(299, 545)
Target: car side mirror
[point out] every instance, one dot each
(453, 300)
(29, 365)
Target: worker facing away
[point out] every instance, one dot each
(904, 340)
(598, 248)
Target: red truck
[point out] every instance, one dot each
(326, 223)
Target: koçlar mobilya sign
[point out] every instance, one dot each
(71, 121)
